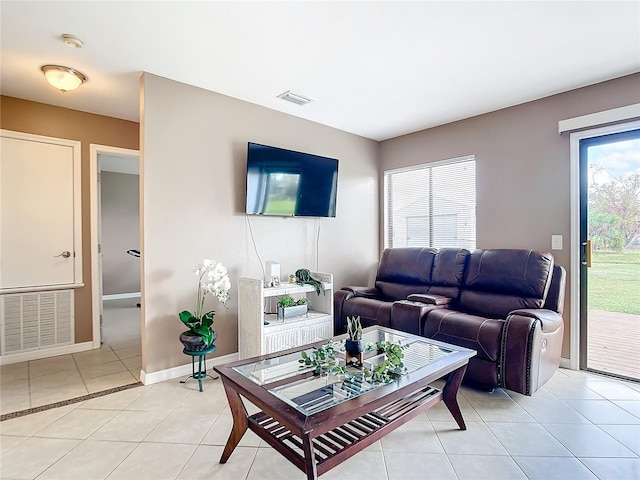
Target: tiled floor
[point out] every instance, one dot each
(42, 382)
(578, 426)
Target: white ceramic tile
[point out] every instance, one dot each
(95, 357)
(79, 424)
(474, 467)
(31, 424)
(414, 436)
(603, 412)
(585, 440)
(161, 397)
(14, 371)
(570, 389)
(425, 466)
(113, 380)
(14, 403)
(7, 442)
(528, 439)
(628, 435)
(270, 465)
(551, 410)
(631, 406)
(441, 413)
(93, 460)
(101, 369)
(476, 440)
(154, 461)
(182, 427)
(58, 394)
(33, 456)
(219, 433)
(554, 468)
(48, 366)
(613, 390)
(367, 464)
(114, 401)
(128, 426)
(614, 468)
(205, 464)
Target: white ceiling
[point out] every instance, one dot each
(376, 69)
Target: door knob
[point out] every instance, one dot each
(65, 254)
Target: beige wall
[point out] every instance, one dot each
(40, 119)
(522, 166)
(120, 214)
(193, 166)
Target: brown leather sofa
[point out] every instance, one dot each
(504, 303)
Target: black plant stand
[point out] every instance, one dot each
(202, 358)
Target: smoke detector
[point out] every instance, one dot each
(71, 41)
(289, 96)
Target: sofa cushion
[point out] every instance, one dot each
(448, 272)
(370, 311)
(501, 280)
(403, 271)
(465, 330)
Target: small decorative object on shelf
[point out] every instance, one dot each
(212, 278)
(304, 277)
(292, 278)
(354, 345)
(290, 307)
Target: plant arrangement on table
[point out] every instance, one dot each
(324, 361)
(290, 307)
(354, 343)
(212, 279)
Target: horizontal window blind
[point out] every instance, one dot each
(431, 205)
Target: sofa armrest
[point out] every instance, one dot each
(531, 347)
(339, 297)
(550, 321)
(368, 292)
(429, 299)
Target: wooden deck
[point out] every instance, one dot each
(614, 343)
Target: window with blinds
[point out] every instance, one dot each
(431, 205)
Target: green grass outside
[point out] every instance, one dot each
(614, 281)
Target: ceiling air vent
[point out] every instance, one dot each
(289, 96)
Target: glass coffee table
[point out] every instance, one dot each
(318, 421)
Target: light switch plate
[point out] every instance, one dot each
(556, 242)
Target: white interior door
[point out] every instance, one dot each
(38, 212)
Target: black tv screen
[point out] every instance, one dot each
(285, 183)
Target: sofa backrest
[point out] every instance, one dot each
(403, 271)
(498, 281)
(555, 297)
(448, 272)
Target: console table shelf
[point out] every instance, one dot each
(260, 333)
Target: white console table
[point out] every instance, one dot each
(260, 332)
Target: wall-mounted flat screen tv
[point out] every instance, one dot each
(286, 183)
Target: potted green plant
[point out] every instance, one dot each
(354, 343)
(212, 279)
(290, 307)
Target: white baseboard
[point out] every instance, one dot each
(565, 363)
(119, 296)
(182, 370)
(45, 353)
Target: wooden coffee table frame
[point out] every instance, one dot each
(318, 442)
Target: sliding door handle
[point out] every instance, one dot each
(586, 255)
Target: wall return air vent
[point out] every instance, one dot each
(289, 96)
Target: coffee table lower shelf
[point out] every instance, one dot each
(340, 443)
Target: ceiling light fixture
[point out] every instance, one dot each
(289, 96)
(72, 41)
(64, 79)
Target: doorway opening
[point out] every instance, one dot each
(610, 252)
(115, 231)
